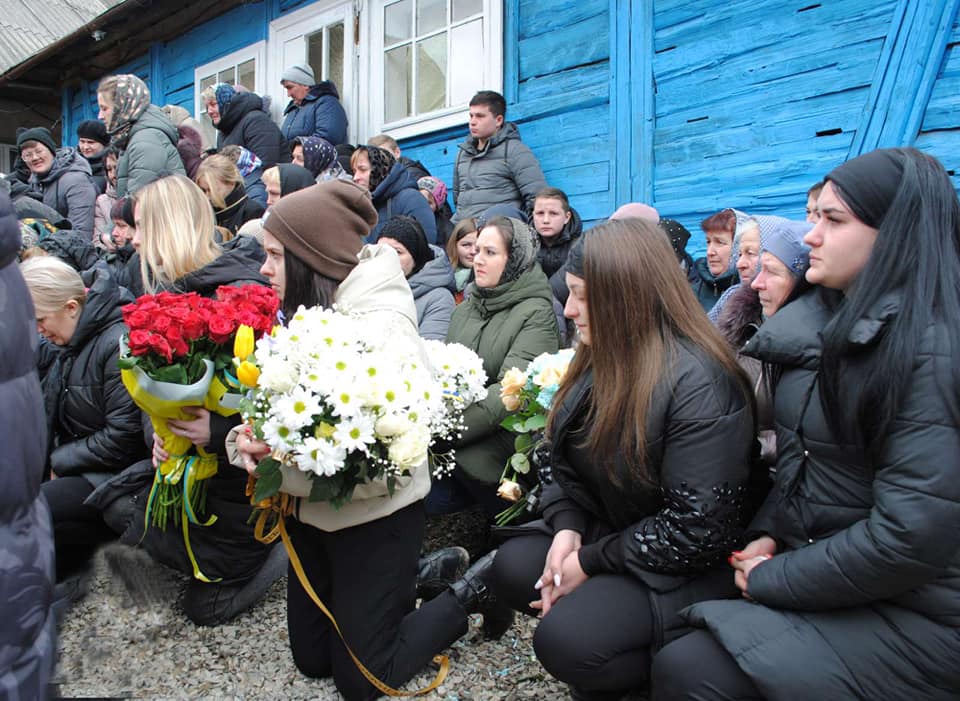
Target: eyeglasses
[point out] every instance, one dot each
(32, 153)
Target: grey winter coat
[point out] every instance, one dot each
(433, 287)
(504, 172)
(151, 151)
(28, 633)
(68, 188)
(862, 600)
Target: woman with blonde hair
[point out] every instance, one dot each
(145, 137)
(461, 248)
(651, 435)
(220, 180)
(179, 252)
(93, 426)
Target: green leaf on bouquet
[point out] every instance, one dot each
(268, 466)
(514, 423)
(523, 442)
(324, 489)
(268, 485)
(127, 362)
(520, 463)
(535, 423)
(171, 373)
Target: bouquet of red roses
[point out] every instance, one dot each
(178, 352)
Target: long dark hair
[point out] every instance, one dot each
(632, 345)
(304, 285)
(917, 253)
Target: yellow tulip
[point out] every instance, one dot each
(243, 343)
(248, 374)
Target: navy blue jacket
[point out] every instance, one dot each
(321, 114)
(398, 194)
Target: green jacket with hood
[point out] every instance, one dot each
(151, 151)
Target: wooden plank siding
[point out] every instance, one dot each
(690, 105)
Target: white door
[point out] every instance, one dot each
(322, 35)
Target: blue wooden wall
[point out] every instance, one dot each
(689, 105)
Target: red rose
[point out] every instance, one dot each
(136, 319)
(139, 342)
(177, 344)
(160, 323)
(194, 326)
(221, 329)
(160, 346)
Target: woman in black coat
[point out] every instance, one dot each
(223, 185)
(93, 424)
(854, 570)
(651, 440)
(242, 118)
(178, 251)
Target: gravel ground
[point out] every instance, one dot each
(122, 645)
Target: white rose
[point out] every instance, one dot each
(392, 425)
(410, 449)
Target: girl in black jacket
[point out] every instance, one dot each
(223, 185)
(854, 569)
(93, 424)
(651, 439)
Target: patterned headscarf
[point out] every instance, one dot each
(436, 188)
(318, 154)
(523, 249)
(381, 162)
(131, 100)
(224, 93)
(247, 162)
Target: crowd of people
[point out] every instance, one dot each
(748, 489)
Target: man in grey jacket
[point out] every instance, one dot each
(493, 165)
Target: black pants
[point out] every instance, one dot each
(697, 668)
(366, 576)
(597, 638)
(77, 529)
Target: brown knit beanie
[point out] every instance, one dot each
(324, 225)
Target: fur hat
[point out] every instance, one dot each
(324, 225)
(302, 74)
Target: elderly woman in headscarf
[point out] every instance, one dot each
(145, 137)
(508, 320)
(241, 118)
(393, 189)
(318, 156)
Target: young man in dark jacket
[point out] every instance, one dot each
(493, 165)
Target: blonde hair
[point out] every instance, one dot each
(387, 143)
(209, 94)
(52, 283)
(220, 175)
(271, 176)
(176, 227)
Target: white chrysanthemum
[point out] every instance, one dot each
(355, 433)
(279, 434)
(298, 407)
(321, 457)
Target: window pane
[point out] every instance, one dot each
(466, 48)
(247, 74)
(207, 82)
(335, 65)
(228, 75)
(432, 73)
(465, 8)
(315, 54)
(397, 21)
(397, 83)
(431, 16)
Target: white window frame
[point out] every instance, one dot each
(8, 156)
(256, 51)
(441, 119)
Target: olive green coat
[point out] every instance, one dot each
(507, 327)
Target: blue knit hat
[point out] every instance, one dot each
(784, 241)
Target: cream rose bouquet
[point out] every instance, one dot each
(529, 395)
(341, 405)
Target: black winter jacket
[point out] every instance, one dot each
(681, 529)
(553, 257)
(240, 209)
(246, 123)
(226, 549)
(28, 636)
(708, 288)
(865, 588)
(94, 426)
(396, 195)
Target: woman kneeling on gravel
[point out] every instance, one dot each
(361, 559)
(651, 443)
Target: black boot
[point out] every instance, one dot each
(474, 594)
(438, 569)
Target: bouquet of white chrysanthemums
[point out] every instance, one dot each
(345, 405)
(462, 378)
